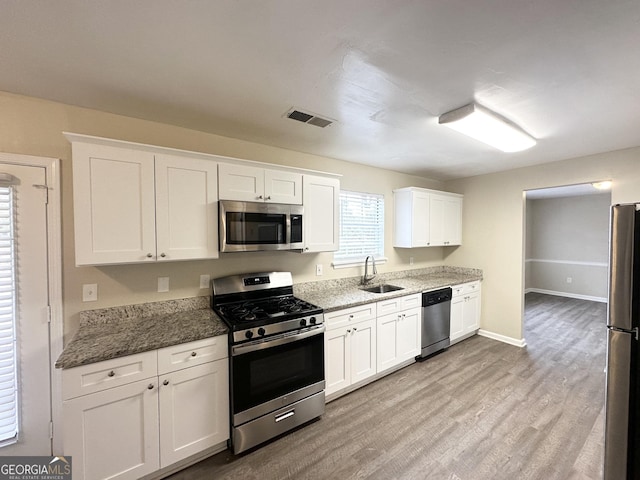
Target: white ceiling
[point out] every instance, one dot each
(566, 71)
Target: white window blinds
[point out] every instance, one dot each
(361, 227)
(8, 366)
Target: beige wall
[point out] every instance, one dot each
(34, 127)
(493, 220)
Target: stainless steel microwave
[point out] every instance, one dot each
(254, 226)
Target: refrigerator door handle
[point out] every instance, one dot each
(621, 266)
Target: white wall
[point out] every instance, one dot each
(568, 237)
(493, 222)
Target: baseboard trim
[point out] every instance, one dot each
(503, 338)
(566, 294)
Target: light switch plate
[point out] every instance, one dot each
(90, 292)
(163, 284)
(318, 269)
(204, 281)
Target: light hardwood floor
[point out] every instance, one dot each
(480, 410)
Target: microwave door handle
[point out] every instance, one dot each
(287, 233)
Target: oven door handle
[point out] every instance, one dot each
(255, 346)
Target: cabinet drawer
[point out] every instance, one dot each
(189, 354)
(341, 318)
(110, 373)
(398, 304)
(470, 287)
(457, 290)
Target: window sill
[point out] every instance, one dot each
(356, 262)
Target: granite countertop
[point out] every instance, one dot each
(344, 293)
(119, 331)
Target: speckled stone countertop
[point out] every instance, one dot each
(346, 292)
(118, 331)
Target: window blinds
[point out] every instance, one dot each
(8, 365)
(361, 226)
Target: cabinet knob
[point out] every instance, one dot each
(150, 386)
(350, 316)
(149, 255)
(348, 330)
(268, 198)
(355, 328)
(162, 255)
(166, 382)
(260, 197)
(306, 248)
(193, 354)
(111, 373)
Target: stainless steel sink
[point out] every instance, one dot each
(384, 288)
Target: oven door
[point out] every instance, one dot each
(271, 373)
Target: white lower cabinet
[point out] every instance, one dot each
(350, 347)
(465, 310)
(399, 331)
(119, 426)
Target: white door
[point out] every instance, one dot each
(30, 302)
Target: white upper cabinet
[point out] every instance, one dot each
(426, 218)
(133, 206)
(255, 184)
(321, 200)
(186, 208)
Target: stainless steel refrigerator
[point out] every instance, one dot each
(622, 403)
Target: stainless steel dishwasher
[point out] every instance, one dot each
(436, 313)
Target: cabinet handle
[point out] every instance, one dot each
(166, 382)
(150, 386)
(193, 354)
(268, 198)
(259, 197)
(348, 330)
(306, 248)
(162, 255)
(111, 374)
(354, 329)
(350, 316)
(149, 255)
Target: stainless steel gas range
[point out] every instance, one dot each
(276, 352)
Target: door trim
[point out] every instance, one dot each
(54, 267)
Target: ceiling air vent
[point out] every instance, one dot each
(309, 118)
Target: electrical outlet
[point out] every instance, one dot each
(90, 292)
(318, 269)
(163, 284)
(569, 279)
(204, 281)
(410, 260)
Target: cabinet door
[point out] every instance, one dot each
(408, 333)
(337, 359)
(436, 220)
(194, 410)
(282, 187)
(114, 205)
(186, 208)
(453, 221)
(114, 433)
(363, 350)
(420, 218)
(387, 342)
(321, 200)
(457, 313)
(239, 182)
(471, 318)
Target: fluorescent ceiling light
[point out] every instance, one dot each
(488, 127)
(606, 185)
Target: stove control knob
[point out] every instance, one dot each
(312, 320)
(248, 334)
(303, 322)
(261, 331)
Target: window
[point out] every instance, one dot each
(361, 228)
(8, 373)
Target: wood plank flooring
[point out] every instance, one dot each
(480, 410)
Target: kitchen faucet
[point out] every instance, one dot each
(366, 279)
